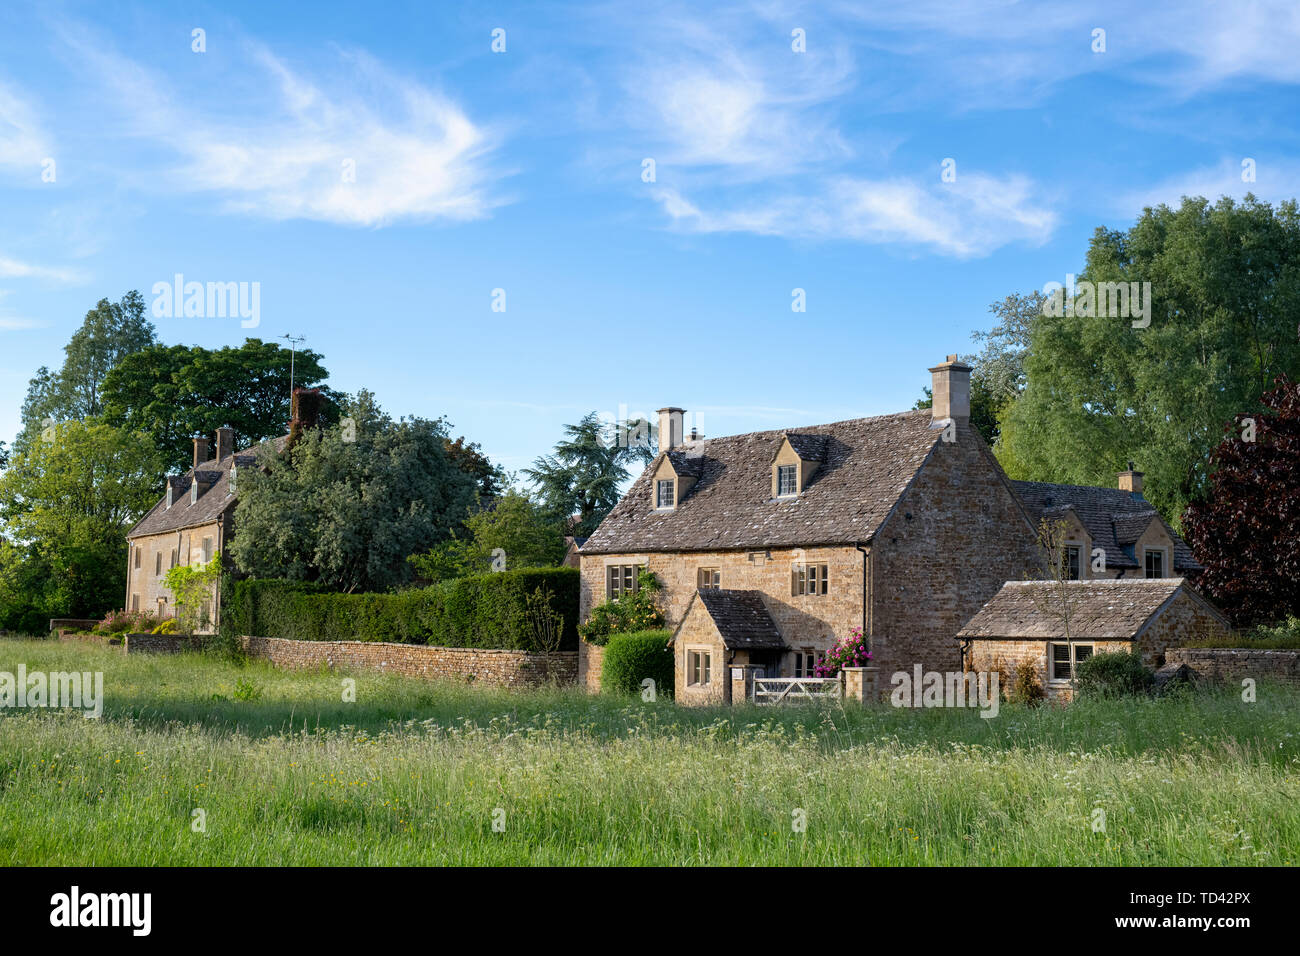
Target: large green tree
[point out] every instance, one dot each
(173, 391)
(582, 480)
(508, 533)
(1099, 391)
(110, 331)
(67, 501)
(346, 505)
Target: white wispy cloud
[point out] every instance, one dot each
(23, 141)
(973, 216)
(289, 152)
(1275, 179)
(15, 269)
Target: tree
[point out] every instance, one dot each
(581, 482)
(110, 331)
(193, 587)
(1246, 530)
(511, 533)
(1223, 298)
(468, 457)
(67, 502)
(1056, 598)
(173, 391)
(345, 506)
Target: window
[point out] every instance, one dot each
(162, 608)
(787, 482)
(137, 555)
(194, 490)
(810, 579)
(207, 550)
(698, 668)
(708, 578)
(1071, 562)
(157, 563)
(173, 564)
(1061, 667)
(1155, 561)
(620, 579)
(664, 494)
(805, 662)
(135, 601)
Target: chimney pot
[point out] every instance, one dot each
(670, 427)
(950, 390)
(200, 449)
(225, 442)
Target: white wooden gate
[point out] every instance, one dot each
(791, 690)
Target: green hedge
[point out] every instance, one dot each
(487, 610)
(1114, 674)
(630, 658)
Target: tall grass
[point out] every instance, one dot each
(286, 772)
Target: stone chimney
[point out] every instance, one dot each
(1131, 481)
(670, 427)
(950, 387)
(225, 442)
(201, 445)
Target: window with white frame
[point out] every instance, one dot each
(1060, 662)
(787, 480)
(708, 578)
(1155, 564)
(664, 497)
(1070, 563)
(207, 550)
(620, 579)
(805, 662)
(699, 671)
(809, 579)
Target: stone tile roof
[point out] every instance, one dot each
(806, 446)
(1114, 518)
(1100, 609)
(212, 503)
(867, 463)
(741, 618)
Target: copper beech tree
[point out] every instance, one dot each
(1246, 531)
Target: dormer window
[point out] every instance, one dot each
(194, 490)
(1155, 564)
(664, 494)
(787, 480)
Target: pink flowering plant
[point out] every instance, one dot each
(848, 651)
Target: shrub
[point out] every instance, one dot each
(1281, 637)
(169, 626)
(127, 622)
(631, 658)
(1025, 687)
(629, 613)
(851, 651)
(1114, 674)
(486, 610)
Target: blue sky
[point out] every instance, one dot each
(523, 171)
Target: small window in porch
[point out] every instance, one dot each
(698, 670)
(1062, 668)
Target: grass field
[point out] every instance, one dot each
(286, 772)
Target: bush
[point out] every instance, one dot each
(1284, 636)
(627, 614)
(1025, 687)
(1115, 674)
(851, 651)
(169, 626)
(631, 658)
(486, 610)
(127, 622)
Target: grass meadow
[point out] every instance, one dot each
(286, 772)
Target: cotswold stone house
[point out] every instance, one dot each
(1025, 622)
(193, 522)
(771, 545)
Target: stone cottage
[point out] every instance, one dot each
(771, 545)
(1026, 622)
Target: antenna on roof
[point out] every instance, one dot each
(294, 341)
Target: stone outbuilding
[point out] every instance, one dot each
(1026, 621)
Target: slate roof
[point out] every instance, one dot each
(741, 618)
(212, 503)
(1102, 609)
(806, 446)
(867, 463)
(1114, 518)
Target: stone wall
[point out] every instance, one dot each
(1006, 656)
(501, 668)
(957, 534)
(590, 659)
(1234, 664)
